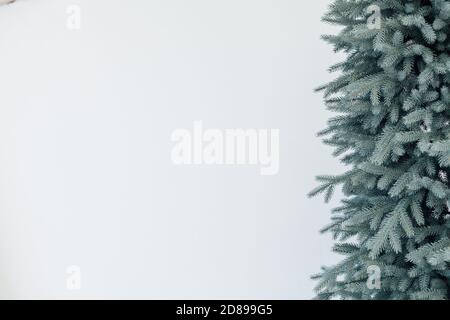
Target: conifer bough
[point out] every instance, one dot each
(392, 130)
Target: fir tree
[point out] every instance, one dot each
(392, 99)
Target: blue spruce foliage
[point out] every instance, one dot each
(392, 129)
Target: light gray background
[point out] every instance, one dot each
(85, 172)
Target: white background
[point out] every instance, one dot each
(86, 177)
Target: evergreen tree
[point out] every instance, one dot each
(392, 129)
